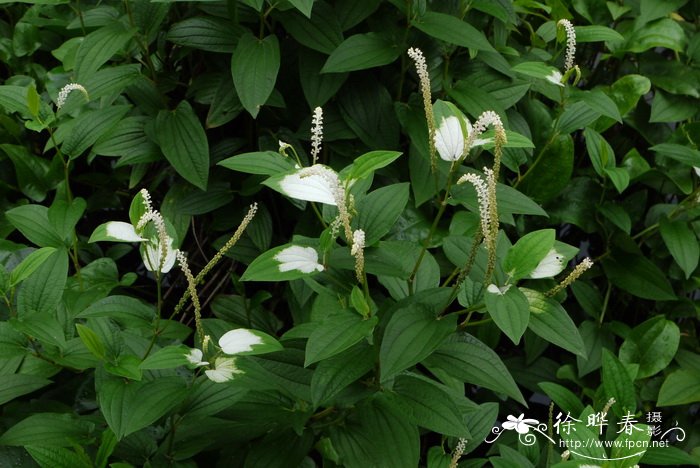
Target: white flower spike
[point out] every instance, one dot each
(223, 370)
(570, 43)
(239, 341)
(316, 134)
(295, 257)
(66, 90)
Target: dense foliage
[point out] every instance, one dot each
(362, 280)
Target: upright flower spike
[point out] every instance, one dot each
(66, 90)
(422, 70)
(570, 43)
(458, 452)
(581, 268)
(358, 251)
(316, 134)
(482, 195)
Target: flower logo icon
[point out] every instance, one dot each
(520, 424)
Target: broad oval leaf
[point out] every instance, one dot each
(509, 310)
(453, 30)
(360, 52)
(549, 320)
(254, 67)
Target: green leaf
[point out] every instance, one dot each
(669, 108)
(254, 67)
(680, 153)
(429, 405)
(168, 357)
(33, 101)
(564, 398)
(617, 215)
(334, 374)
(304, 6)
(631, 446)
(99, 46)
(619, 177)
(551, 172)
(129, 406)
(336, 333)
(577, 116)
(127, 365)
(412, 334)
(48, 430)
(523, 257)
(89, 127)
(601, 103)
(539, 70)
(453, 30)
(360, 52)
(380, 209)
(318, 88)
(665, 33)
(64, 216)
(638, 276)
(510, 200)
(208, 398)
(58, 457)
(365, 165)
(41, 293)
(29, 265)
(363, 440)
(121, 308)
(599, 150)
(33, 222)
(260, 162)
(682, 243)
(15, 385)
(14, 99)
(596, 33)
(268, 268)
(469, 360)
(206, 33)
(549, 320)
(321, 32)
(652, 345)
(184, 143)
(92, 341)
(32, 171)
(618, 384)
(509, 310)
(681, 387)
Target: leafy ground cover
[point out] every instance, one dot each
(395, 233)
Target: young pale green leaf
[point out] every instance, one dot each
(48, 430)
(359, 303)
(254, 67)
(682, 243)
(130, 406)
(452, 30)
(618, 384)
(429, 405)
(168, 357)
(15, 385)
(184, 143)
(262, 162)
(283, 263)
(528, 252)
(412, 334)
(365, 165)
(638, 276)
(681, 387)
(652, 345)
(334, 374)
(549, 320)
(99, 46)
(599, 150)
(29, 265)
(380, 209)
(33, 100)
(509, 310)
(91, 340)
(360, 52)
(541, 71)
(337, 333)
(33, 222)
(470, 360)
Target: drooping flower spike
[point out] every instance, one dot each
(422, 70)
(66, 90)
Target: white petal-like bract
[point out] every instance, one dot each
(295, 257)
(223, 371)
(239, 341)
(195, 357)
(493, 289)
(314, 188)
(552, 264)
(449, 139)
(122, 231)
(555, 77)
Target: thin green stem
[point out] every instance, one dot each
(606, 301)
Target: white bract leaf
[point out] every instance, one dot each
(493, 289)
(223, 370)
(151, 255)
(697, 170)
(555, 77)
(304, 259)
(239, 341)
(552, 264)
(449, 138)
(195, 357)
(122, 231)
(314, 188)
